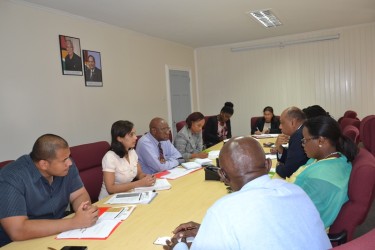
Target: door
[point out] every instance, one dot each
(180, 96)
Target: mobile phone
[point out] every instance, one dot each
(74, 248)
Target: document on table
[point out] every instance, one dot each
(132, 198)
(262, 136)
(271, 156)
(160, 184)
(178, 172)
(116, 213)
(101, 230)
(213, 154)
(191, 165)
(203, 161)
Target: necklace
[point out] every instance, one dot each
(331, 154)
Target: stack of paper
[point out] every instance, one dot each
(191, 165)
(204, 161)
(160, 184)
(132, 198)
(213, 154)
(116, 213)
(178, 172)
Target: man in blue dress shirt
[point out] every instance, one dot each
(155, 151)
(36, 189)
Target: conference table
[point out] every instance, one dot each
(187, 200)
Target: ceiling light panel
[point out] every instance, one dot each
(265, 17)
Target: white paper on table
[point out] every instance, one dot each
(191, 165)
(271, 156)
(213, 154)
(101, 230)
(132, 198)
(160, 184)
(177, 172)
(203, 161)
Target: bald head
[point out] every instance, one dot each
(242, 159)
(159, 129)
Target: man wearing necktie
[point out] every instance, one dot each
(92, 73)
(155, 151)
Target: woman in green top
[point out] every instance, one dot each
(326, 175)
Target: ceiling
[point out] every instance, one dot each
(201, 23)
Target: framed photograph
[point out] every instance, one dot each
(70, 51)
(93, 68)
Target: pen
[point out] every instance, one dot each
(140, 197)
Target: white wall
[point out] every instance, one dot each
(35, 98)
(338, 75)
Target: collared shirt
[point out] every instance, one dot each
(188, 143)
(148, 154)
(25, 192)
(264, 214)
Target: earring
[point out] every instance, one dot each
(320, 145)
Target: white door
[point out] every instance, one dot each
(180, 96)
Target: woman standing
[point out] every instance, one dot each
(189, 140)
(120, 163)
(218, 127)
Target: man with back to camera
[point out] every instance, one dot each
(92, 73)
(36, 190)
(261, 213)
(292, 157)
(155, 151)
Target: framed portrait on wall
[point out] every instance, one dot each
(93, 68)
(70, 51)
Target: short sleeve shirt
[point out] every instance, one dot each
(125, 171)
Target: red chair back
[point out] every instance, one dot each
(367, 133)
(180, 125)
(352, 132)
(349, 114)
(253, 122)
(365, 242)
(349, 121)
(88, 158)
(3, 163)
(361, 192)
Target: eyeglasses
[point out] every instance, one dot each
(304, 140)
(223, 174)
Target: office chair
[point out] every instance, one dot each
(361, 193)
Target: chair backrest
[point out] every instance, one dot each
(180, 125)
(352, 132)
(361, 192)
(367, 133)
(253, 122)
(349, 121)
(3, 163)
(348, 114)
(364, 242)
(88, 158)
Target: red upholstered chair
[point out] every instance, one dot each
(253, 122)
(349, 114)
(352, 132)
(365, 242)
(367, 133)
(88, 158)
(349, 121)
(361, 192)
(180, 125)
(3, 163)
